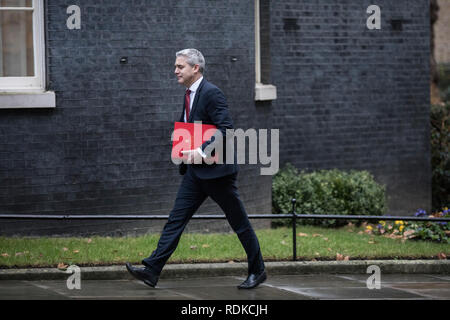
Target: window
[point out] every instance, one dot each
(22, 54)
(262, 53)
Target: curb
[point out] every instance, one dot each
(238, 269)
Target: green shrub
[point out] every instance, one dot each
(327, 192)
(440, 156)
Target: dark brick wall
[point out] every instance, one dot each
(353, 98)
(348, 97)
(105, 148)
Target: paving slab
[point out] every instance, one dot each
(23, 290)
(277, 287)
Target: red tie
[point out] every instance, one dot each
(187, 103)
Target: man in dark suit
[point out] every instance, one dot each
(206, 103)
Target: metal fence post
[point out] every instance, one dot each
(294, 231)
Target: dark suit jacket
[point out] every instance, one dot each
(210, 107)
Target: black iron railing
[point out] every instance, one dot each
(293, 215)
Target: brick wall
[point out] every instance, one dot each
(353, 98)
(105, 148)
(348, 97)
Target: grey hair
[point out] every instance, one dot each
(193, 57)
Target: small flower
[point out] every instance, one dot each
(369, 228)
(438, 214)
(401, 228)
(420, 212)
(399, 222)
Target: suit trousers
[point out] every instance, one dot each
(191, 194)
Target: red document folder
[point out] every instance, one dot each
(190, 136)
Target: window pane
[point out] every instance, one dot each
(16, 3)
(16, 44)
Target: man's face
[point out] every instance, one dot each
(186, 74)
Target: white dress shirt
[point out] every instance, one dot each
(194, 88)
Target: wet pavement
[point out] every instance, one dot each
(277, 287)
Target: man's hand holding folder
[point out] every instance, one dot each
(194, 156)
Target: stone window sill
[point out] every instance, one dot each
(22, 100)
(264, 92)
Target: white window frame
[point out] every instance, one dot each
(37, 82)
(262, 91)
(29, 92)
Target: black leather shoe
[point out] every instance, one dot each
(253, 280)
(143, 274)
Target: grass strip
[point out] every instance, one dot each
(313, 243)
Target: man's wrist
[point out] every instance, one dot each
(200, 151)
